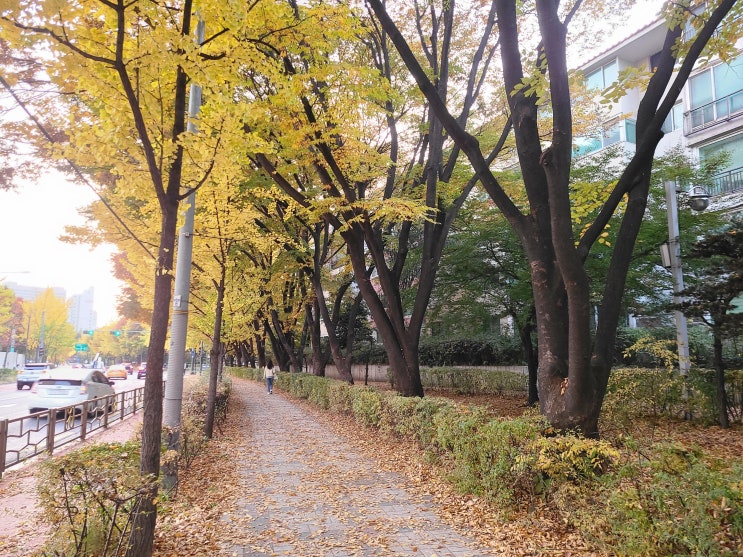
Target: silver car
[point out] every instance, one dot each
(66, 386)
(30, 373)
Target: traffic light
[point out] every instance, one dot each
(116, 333)
(90, 332)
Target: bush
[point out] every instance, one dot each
(89, 494)
(474, 381)
(90, 506)
(673, 503)
(367, 406)
(653, 393)
(340, 397)
(500, 350)
(7, 375)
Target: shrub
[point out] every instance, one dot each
(340, 397)
(7, 375)
(673, 503)
(473, 381)
(367, 406)
(634, 393)
(88, 496)
(469, 351)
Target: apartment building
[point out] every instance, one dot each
(707, 118)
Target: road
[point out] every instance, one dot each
(13, 403)
(26, 437)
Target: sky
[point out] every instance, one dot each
(32, 219)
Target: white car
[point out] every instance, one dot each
(30, 373)
(65, 386)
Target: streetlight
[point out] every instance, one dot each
(671, 257)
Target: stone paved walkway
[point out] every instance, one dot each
(309, 493)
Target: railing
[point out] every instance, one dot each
(28, 436)
(720, 110)
(727, 182)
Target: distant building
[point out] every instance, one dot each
(80, 315)
(30, 293)
(81, 312)
(706, 120)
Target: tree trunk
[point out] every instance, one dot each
(291, 361)
(721, 399)
(215, 359)
(572, 374)
(319, 357)
(342, 361)
(530, 355)
(145, 516)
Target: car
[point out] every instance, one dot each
(142, 371)
(67, 386)
(30, 373)
(116, 371)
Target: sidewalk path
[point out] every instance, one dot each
(307, 492)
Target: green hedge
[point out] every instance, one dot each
(472, 381)
(501, 350)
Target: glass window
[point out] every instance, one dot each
(700, 87)
(631, 130)
(611, 136)
(728, 78)
(603, 77)
(674, 120)
(595, 80)
(733, 146)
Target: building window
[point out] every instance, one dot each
(731, 178)
(603, 77)
(624, 130)
(674, 120)
(716, 94)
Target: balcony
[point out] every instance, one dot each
(727, 182)
(716, 112)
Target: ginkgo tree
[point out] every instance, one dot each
(119, 75)
(50, 335)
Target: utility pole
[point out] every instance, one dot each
(40, 352)
(179, 322)
(682, 333)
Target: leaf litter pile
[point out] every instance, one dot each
(233, 501)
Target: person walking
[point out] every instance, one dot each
(269, 374)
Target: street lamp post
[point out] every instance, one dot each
(671, 255)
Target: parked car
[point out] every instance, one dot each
(30, 373)
(116, 371)
(65, 386)
(142, 371)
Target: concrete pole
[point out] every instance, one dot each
(682, 333)
(179, 322)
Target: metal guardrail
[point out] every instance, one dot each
(28, 436)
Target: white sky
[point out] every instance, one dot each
(31, 221)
